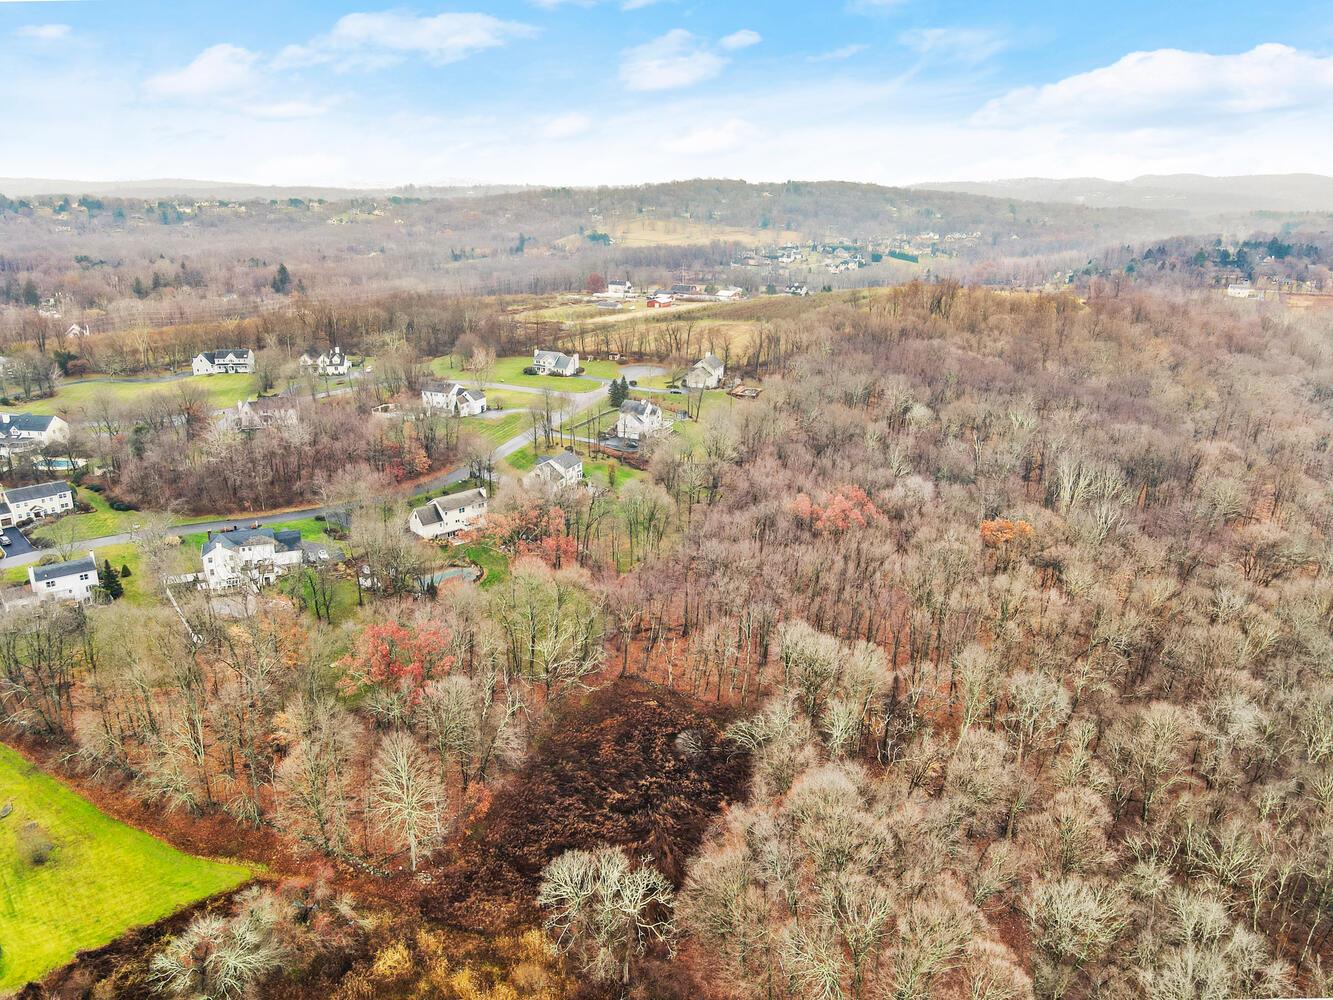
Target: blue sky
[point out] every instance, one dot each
(624, 91)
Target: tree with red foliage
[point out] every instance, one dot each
(393, 663)
(845, 508)
(596, 283)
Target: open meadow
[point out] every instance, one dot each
(73, 878)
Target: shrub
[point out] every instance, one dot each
(35, 844)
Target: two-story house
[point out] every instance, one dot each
(321, 362)
(639, 419)
(23, 431)
(233, 361)
(555, 472)
(249, 557)
(448, 516)
(66, 581)
(706, 374)
(29, 503)
(453, 397)
(267, 411)
(555, 363)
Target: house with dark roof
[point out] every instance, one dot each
(29, 503)
(249, 557)
(232, 361)
(555, 363)
(706, 374)
(449, 516)
(266, 411)
(22, 431)
(555, 472)
(325, 362)
(640, 418)
(452, 397)
(66, 581)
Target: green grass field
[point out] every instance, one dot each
(101, 878)
(74, 395)
(499, 399)
(510, 370)
(497, 432)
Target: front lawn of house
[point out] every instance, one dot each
(510, 370)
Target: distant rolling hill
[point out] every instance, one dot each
(31, 187)
(1195, 194)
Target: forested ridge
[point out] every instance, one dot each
(994, 638)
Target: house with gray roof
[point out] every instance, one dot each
(640, 418)
(23, 431)
(66, 581)
(231, 361)
(249, 557)
(707, 373)
(29, 503)
(555, 363)
(449, 516)
(555, 472)
(452, 397)
(325, 362)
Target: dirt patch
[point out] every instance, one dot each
(633, 765)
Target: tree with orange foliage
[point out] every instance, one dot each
(392, 664)
(845, 508)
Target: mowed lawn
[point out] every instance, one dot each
(510, 371)
(101, 878)
(123, 556)
(74, 396)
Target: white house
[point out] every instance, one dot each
(555, 363)
(617, 291)
(28, 503)
(332, 362)
(730, 294)
(233, 361)
(555, 472)
(445, 517)
(706, 374)
(267, 411)
(21, 431)
(640, 418)
(250, 556)
(453, 397)
(67, 581)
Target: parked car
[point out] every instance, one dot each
(676, 392)
(6, 540)
(530, 370)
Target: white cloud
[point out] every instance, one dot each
(837, 55)
(875, 6)
(711, 138)
(218, 70)
(742, 39)
(968, 45)
(384, 38)
(677, 59)
(288, 110)
(566, 126)
(1172, 86)
(44, 32)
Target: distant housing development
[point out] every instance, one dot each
(448, 516)
(453, 397)
(28, 503)
(232, 361)
(555, 363)
(66, 581)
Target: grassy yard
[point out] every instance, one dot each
(497, 432)
(101, 878)
(102, 521)
(123, 555)
(499, 399)
(510, 370)
(73, 396)
(597, 472)
(494, 562)
(310, 529)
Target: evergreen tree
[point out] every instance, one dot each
(125, 571)
(282, 281)
(618, 391)
(109, 580)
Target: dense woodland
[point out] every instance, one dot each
(985, 655)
